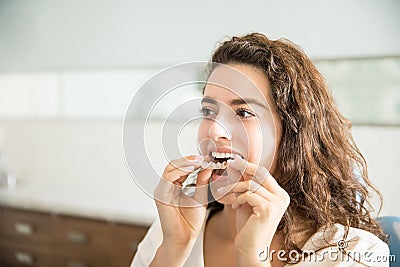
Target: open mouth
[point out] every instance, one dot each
(218, 162)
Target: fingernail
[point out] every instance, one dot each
(230, 161)
(187, 168)
(198, 158)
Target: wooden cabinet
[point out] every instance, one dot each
(29, 238)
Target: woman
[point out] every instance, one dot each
(288, 193)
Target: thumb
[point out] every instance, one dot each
(201, 189)
(203, 177)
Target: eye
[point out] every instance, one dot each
(207, 112)
(244, 113)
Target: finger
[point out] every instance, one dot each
(183, 162)
(203, 177)
(191, 160)
(201, 190)
(252, 199)
(165, 192)
(261, 174)
(177, 175)
(246, 186)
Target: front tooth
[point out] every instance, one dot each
(214, 154)
(230, 155)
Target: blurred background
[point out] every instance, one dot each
(69, 69)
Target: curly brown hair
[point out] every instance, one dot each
(317, 159)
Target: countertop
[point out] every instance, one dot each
(130, 205)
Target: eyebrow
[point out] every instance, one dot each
(235, 102)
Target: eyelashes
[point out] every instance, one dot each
(206, 112)
(242, 113)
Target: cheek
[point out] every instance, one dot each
(262, 146)
(269, 147)
(202, 131)
(255, 144)
(202, 136)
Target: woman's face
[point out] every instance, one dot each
(239, 118)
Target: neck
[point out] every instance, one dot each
(228, 218)
(223, 224)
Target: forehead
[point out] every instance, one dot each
(229, 82)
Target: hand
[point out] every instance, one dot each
(181, 216)
(260, 205)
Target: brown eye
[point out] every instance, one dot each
(244, 113)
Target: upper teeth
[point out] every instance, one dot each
(209, 164)
(220, 155)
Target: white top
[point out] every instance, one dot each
(360, 244)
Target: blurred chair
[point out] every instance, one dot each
(391, 226)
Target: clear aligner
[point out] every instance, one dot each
(209, 163)
(214, 165)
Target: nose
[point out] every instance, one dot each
(219, 129)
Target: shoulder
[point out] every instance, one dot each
(333, 244)
(147, 248)
(337, 235)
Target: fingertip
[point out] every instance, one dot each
(195, 158)
(187, 168)
(204, 175)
